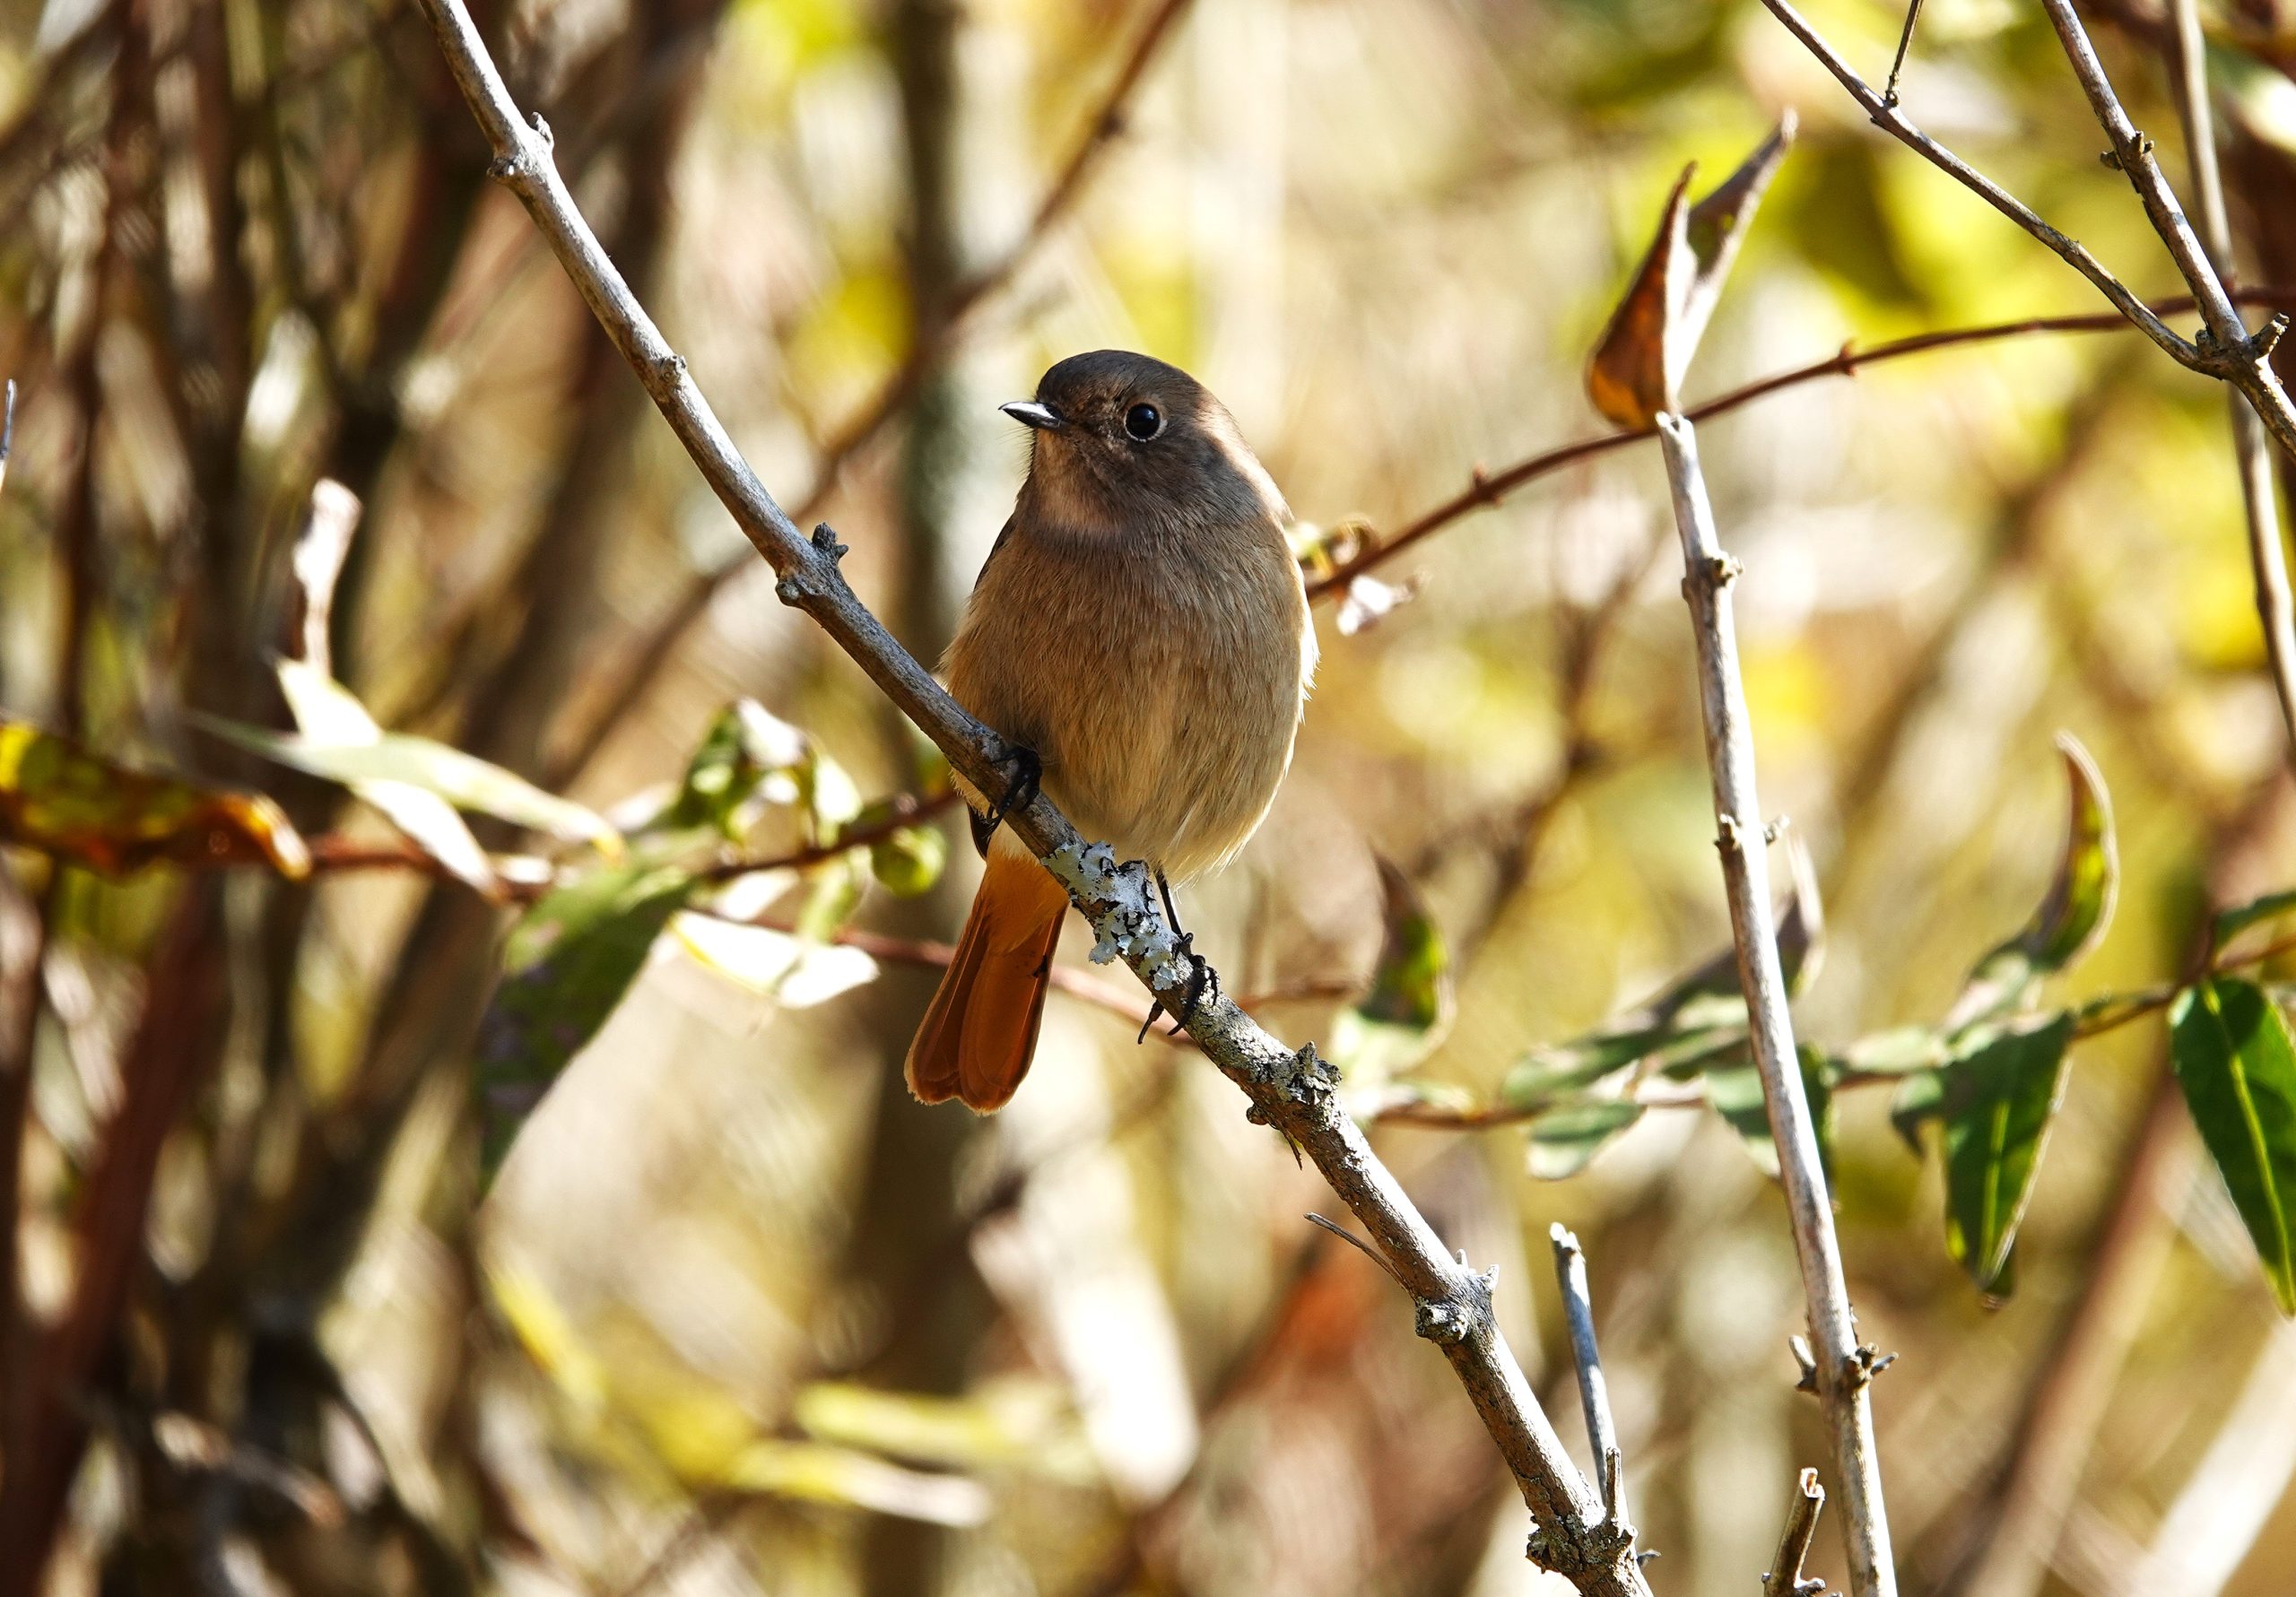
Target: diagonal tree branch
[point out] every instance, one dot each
(1845, 1367)
(1292, 1091)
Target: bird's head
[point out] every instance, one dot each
(1126, 443)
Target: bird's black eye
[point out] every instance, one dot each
(1142, 422)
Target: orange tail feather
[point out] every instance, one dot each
(980, 1031)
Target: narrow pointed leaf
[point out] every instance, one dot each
(2073, 914)
(2237, 1065)
(1714, 228)
(61, 799)
(1699, 1016)
(2006, 1089)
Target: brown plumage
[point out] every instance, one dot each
(1142, 626)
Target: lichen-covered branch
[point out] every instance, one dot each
(1292, 1091)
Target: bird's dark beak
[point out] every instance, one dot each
(1028, 413)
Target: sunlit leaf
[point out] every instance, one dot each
(58, 797)
(327, 712)
(772, 963)
(2071, 919)
(543, 1328)
(1403, 1015)
(2001, 1096)
(567, 964)
(1637, 367)
(1000, 1426)
(2237, 1065)
(1561, 1143)
(834, 894)
(468, 783)
(1898, 1052)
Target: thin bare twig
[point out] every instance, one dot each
(1905, 44)
(1293, 1092)
(1891, 121)
(2224, 348)
(953, 314)
(1845, 1367)
(1489, 488)
(1785, 1577)
(2252, 452)
(1587, 1358)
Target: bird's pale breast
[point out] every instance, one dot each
(1158, 677)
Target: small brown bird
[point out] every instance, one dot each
(1140, 626)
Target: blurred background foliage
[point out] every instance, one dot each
(738, 1316)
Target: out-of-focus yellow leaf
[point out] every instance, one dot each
(548, 1336)
(58, 797)
(815, 1473)
(994, 1428)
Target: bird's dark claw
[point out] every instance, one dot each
(1021, 785)
(1199, 971)
(1203, 981)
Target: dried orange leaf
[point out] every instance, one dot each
(60, 799)
(1637, 370)
(1627, 378)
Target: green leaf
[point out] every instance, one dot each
(1701, 1015)
(1563, 1142)
(2002, 1093)
(2237, 1065)
(566, 965)
(1735, 1092)
(836, 893)
(2071, 919)
(907, 862)
(2231, 922)
(744, 748)
(61, 799)
(1403, 1015)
